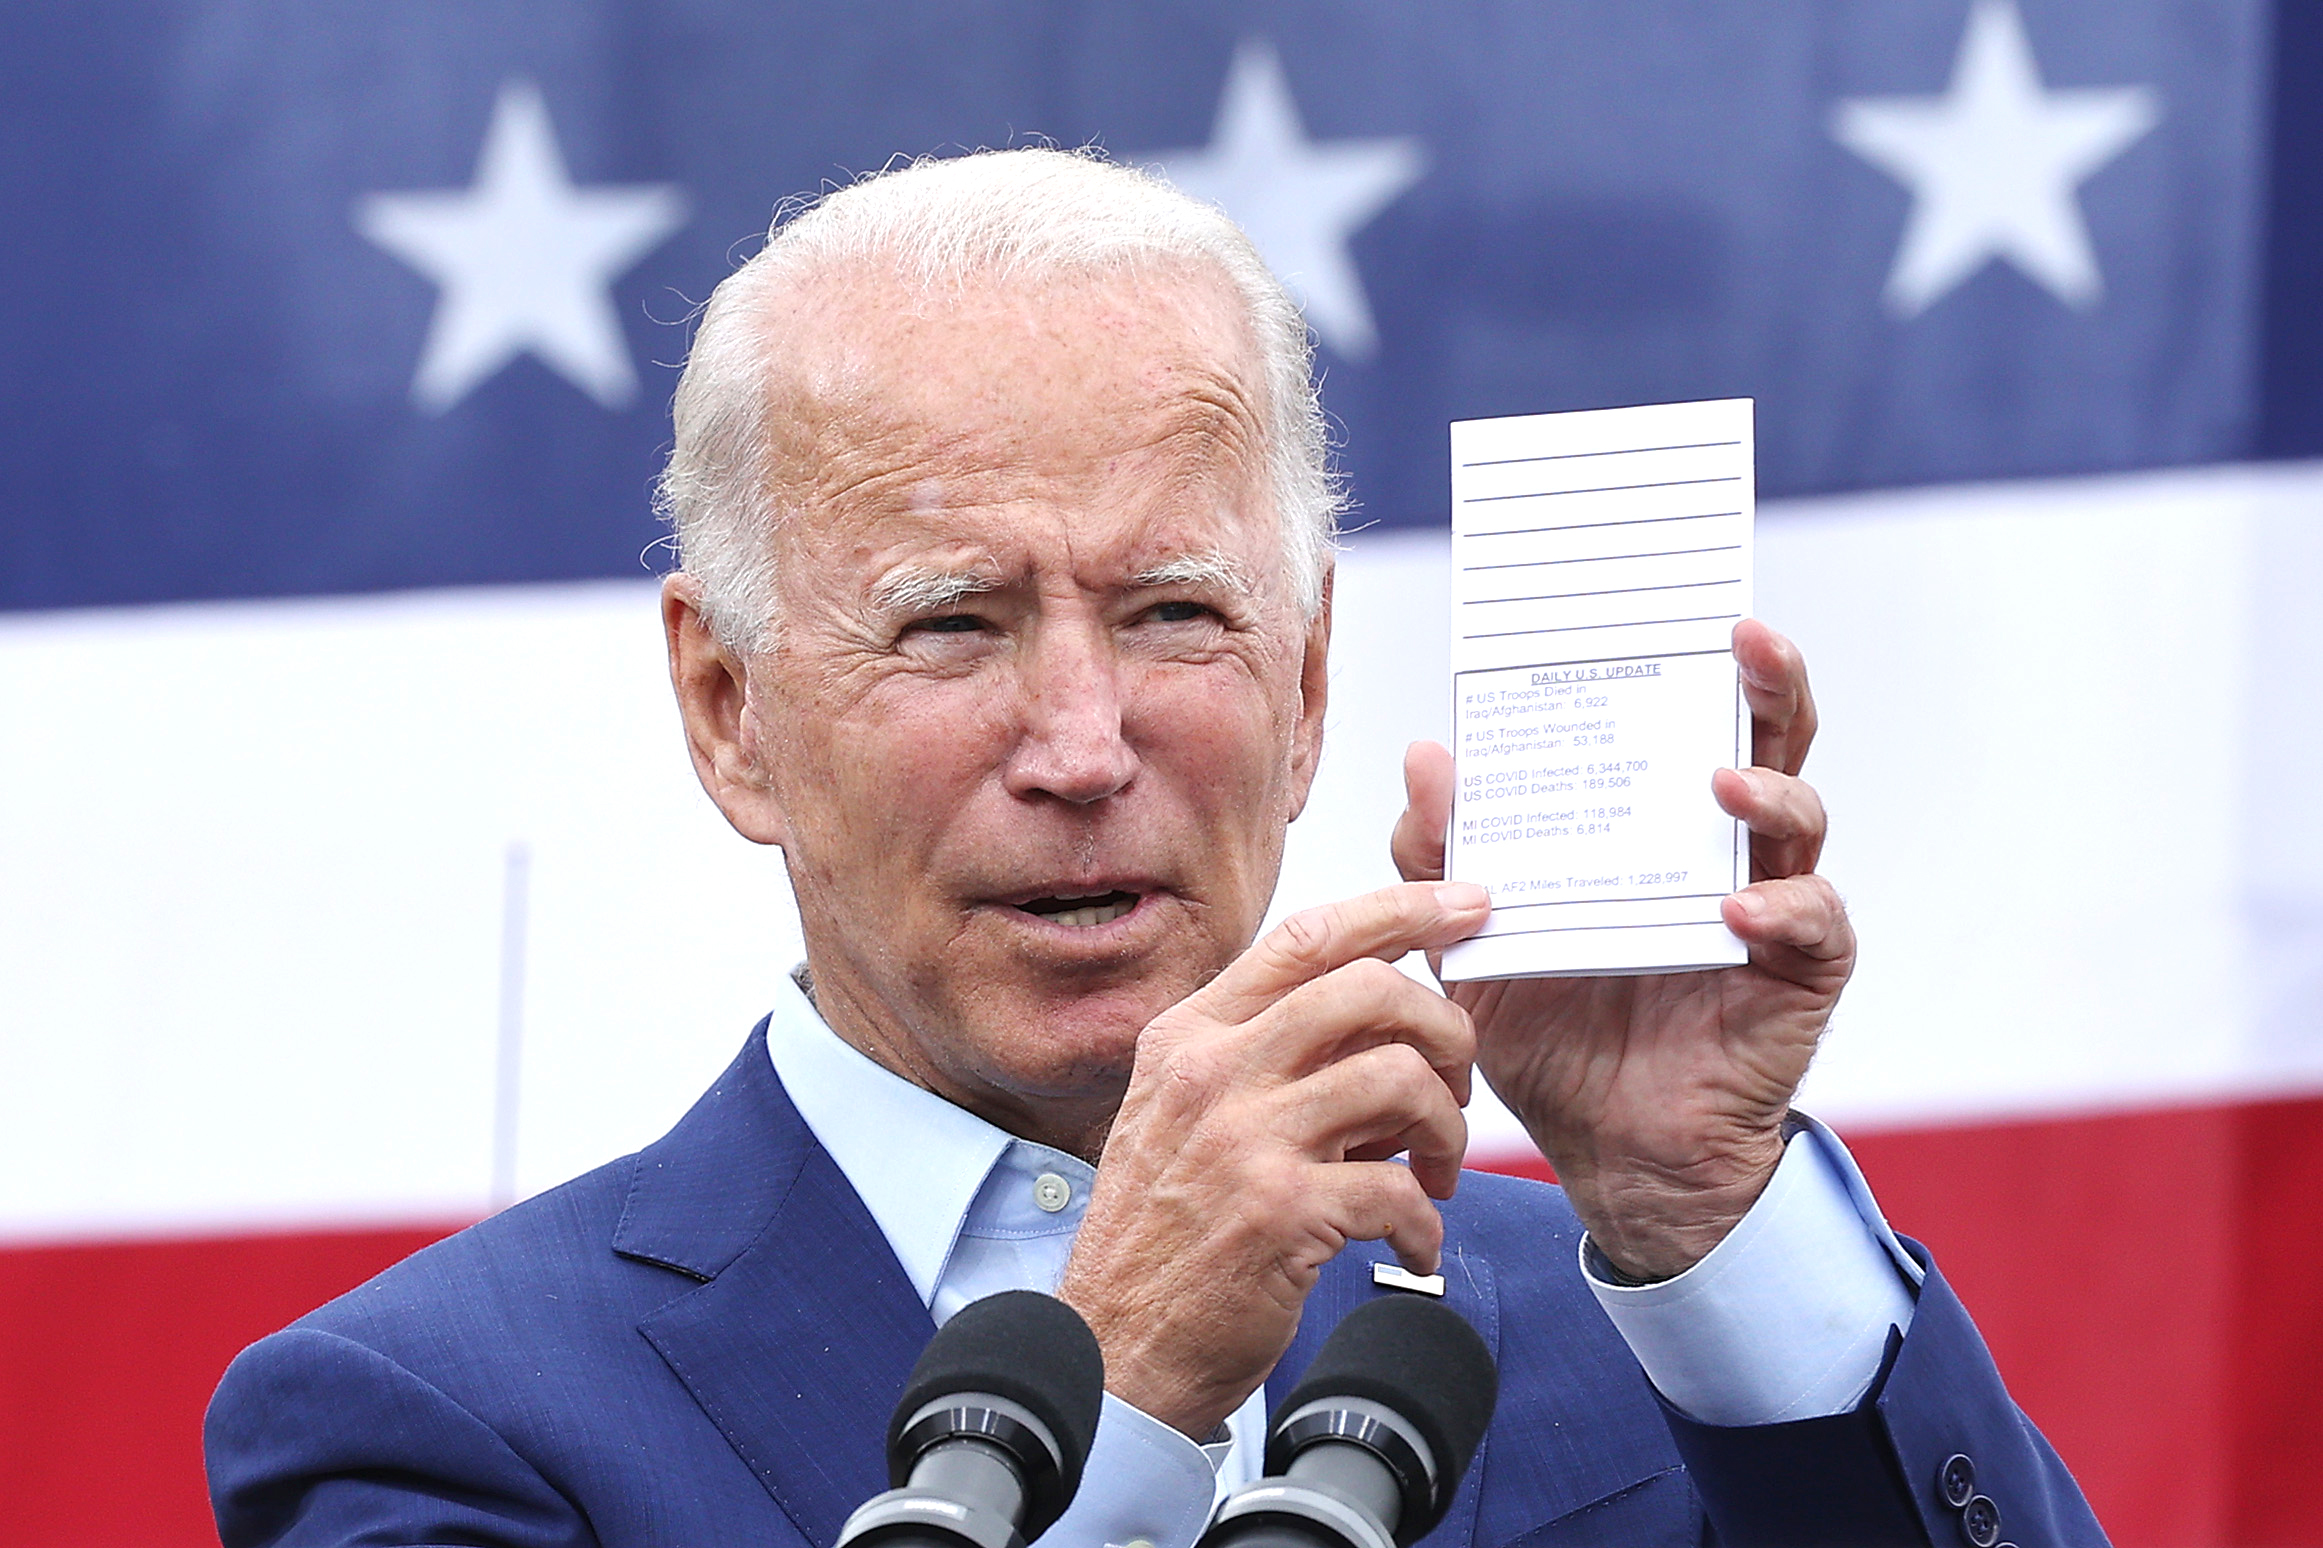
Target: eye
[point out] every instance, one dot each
(1177, 612)
(950, 623)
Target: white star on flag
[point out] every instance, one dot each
(1995, 165)
(523, 260)
(1299, 199)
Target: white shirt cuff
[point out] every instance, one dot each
(1144, 1482)
(1788, 1317)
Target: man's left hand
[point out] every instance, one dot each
(1660, 1099)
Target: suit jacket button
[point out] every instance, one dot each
(1956, 1480)
(1980, 1522)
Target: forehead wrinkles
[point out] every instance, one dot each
(1191, 426)
(1134, 493)
(871, 377)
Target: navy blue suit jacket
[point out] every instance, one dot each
(698, 1346)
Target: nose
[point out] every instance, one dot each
(1074, 745)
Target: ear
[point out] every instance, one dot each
(1314, 695)
(713, 691)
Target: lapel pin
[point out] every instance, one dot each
(1395, 1276)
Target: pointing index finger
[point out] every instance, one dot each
(1416, 916)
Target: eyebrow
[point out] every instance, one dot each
(1212, 567)
(911, 588)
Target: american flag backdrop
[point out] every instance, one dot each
(353, 881)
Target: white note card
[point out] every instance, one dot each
(1600, 562)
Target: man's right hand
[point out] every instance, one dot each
(1253, 1142)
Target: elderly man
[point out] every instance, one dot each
(1005, 599)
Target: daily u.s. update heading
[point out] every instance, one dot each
(1600, 562)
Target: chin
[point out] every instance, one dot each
(1084, 1035)
(1111, 1017)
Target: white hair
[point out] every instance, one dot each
(1013, 214)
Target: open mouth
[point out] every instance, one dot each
(1082, 913)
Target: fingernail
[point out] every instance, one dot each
(1756, 678)
(1462, 897)
(1750, 903)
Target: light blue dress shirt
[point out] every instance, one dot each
(1787, 1318)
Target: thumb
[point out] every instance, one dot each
(1418, 842)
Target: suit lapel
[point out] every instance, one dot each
(802, 1336)
(804, 1328)
(1562, 1438)
(1345, 1284)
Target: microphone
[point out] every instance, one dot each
(987, 1443)
(1372, 1443)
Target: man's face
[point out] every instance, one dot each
(1040, 702)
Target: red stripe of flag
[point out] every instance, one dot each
(2151, 1282)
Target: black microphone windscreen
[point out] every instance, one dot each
(1421, 1359)
(1021, 1345)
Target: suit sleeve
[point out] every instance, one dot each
(1936, 1454)
(316, 1441)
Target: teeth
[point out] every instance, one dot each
(1088, 918)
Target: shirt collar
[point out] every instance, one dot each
(915, 1160)
(1012, 1207)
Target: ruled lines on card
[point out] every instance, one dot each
(1601, 562)
(1607, 540)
